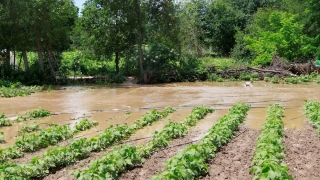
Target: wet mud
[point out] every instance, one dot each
(302, 153)
(233, 161)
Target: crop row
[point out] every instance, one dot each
(46, 137)
(60, 157)
(32, 114)
(191, 161)
(312, 111)
(125, 157)
(266, 163)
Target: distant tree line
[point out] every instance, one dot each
(161, 35)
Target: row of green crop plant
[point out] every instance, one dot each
(32, 114)
(79, 149)
(10, 89)
(303, 78)
(125, 157)
(29, 128)
(191, 161)
(48, 136)
(266, 163)
(312, 111)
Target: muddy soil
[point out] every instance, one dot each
(233, 160)
(155, 164)
(303, 153)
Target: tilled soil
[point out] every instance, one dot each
(155, 164)
(302, 153)
(233, 160)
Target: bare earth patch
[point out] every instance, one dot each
(233, 160)
(303, 153)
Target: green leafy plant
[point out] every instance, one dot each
(38, 113)
(30, 141)
(4, 121)
(9, 89)
(292, 80)
(305, 78)
(28, 128)
(79, 149)
(84, 125)
(2, 137)
(275, 80)
(267, 79)
(266, 163)
(21, 119)
(312, 111)
(46, 137)
(110, 167)
(190, 162)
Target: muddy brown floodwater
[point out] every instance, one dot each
(117, 104)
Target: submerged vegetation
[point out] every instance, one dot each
(78, 149)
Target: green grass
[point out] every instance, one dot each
(222, 63)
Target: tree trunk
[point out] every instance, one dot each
(8, 56)
(14, 59)
(139, 39)
(51, 59)
(40, 54)
(117, 62)
(25, 59)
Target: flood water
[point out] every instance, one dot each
(122, 103)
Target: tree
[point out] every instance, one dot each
(190, 31)
(283, 37)
(108, 27)
(220, 26)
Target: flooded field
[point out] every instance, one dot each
(111, 105)
(118, 104)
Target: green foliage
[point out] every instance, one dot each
(282, 36)
(305, 78)
(84, 124)
(111, 165)
(116, 161)
(2, 137)
(14, 91)
(31, 141)
(28, 128)
(4, 121)
(214, 78)
(246, 76)
(38, 113)
(266, 163)
(79, 149)
(190, 162)
(292, 80)
(275, 80)
(21, 119)
(267, 79)
(46, 137)
(219, 25)
(312, 111)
